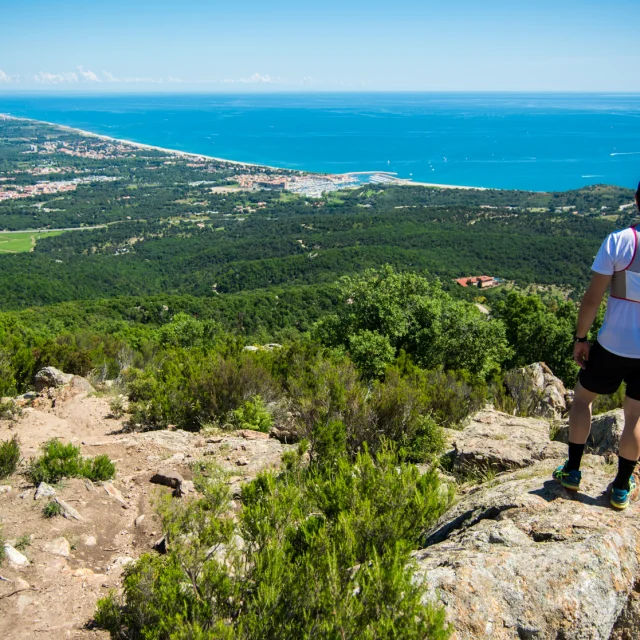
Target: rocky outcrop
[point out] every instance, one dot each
(499, 441)
(537, 392)
(627, 626)
(51, 377)
(524, 558)
(604, 438)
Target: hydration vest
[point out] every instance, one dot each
(625, 284)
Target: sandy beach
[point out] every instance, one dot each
(188, 154)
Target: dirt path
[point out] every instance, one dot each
(55, 596)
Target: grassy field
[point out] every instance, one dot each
(22, 242)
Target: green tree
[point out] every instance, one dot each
(383, 312)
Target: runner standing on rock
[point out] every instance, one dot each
(614, 358)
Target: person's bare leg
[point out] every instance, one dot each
(630, 439)
(580, 415)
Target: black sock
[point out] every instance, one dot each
(625, 471)
(575, 457)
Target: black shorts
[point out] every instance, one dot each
(605, 371)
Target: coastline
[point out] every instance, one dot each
(189, 154)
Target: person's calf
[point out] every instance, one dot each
(625, 471)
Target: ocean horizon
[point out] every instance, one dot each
(538, 142)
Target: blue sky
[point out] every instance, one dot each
(351, 45)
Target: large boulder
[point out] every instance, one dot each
(537, 392)
(525, 558)
(499, 441)
(51, 377)
(604, 437)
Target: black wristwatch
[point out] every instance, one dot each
(577, 339)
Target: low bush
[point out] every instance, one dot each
(60, 460)
(321, 551)
(190, 388)
(23, 542)
(51, 509)
(116, 407)
(254, 415)
(9, 410)
(9, 457)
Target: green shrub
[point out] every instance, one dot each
(51, 509)
(9, 410)
(427, 441)
(252, 415)
(371, 353)
(59, 460)
(23, 542)
(98, 469)
(9, 456)
(323, 552)
(116, 407)
(3, 553)
(189, 388)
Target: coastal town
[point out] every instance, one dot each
(15, 192)
(92, 147)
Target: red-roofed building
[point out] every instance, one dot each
(482, 282)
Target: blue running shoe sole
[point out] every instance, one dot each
(625, 499)
(565, 478)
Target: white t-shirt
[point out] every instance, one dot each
(620, 332)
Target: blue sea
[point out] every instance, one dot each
(513, 141)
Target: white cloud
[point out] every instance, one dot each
(88, 76)
(109, 77)
(66, 77)
(4, 77)
(140, 80)
(256, 78)
(44, 77)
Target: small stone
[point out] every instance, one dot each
(139, 520)
(89, 541)
(44, 490)
(250, 434)
(215, 440)
(160, 545)
(15, 557)
(68, 511)
(167, 478)
(113, 492)
(58, 547)
(119, 562)
(5, 488)
(188, 486)
(242, 462)
(89, 485)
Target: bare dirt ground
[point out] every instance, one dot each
(55, 596)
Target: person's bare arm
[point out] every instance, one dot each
(588, 310)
